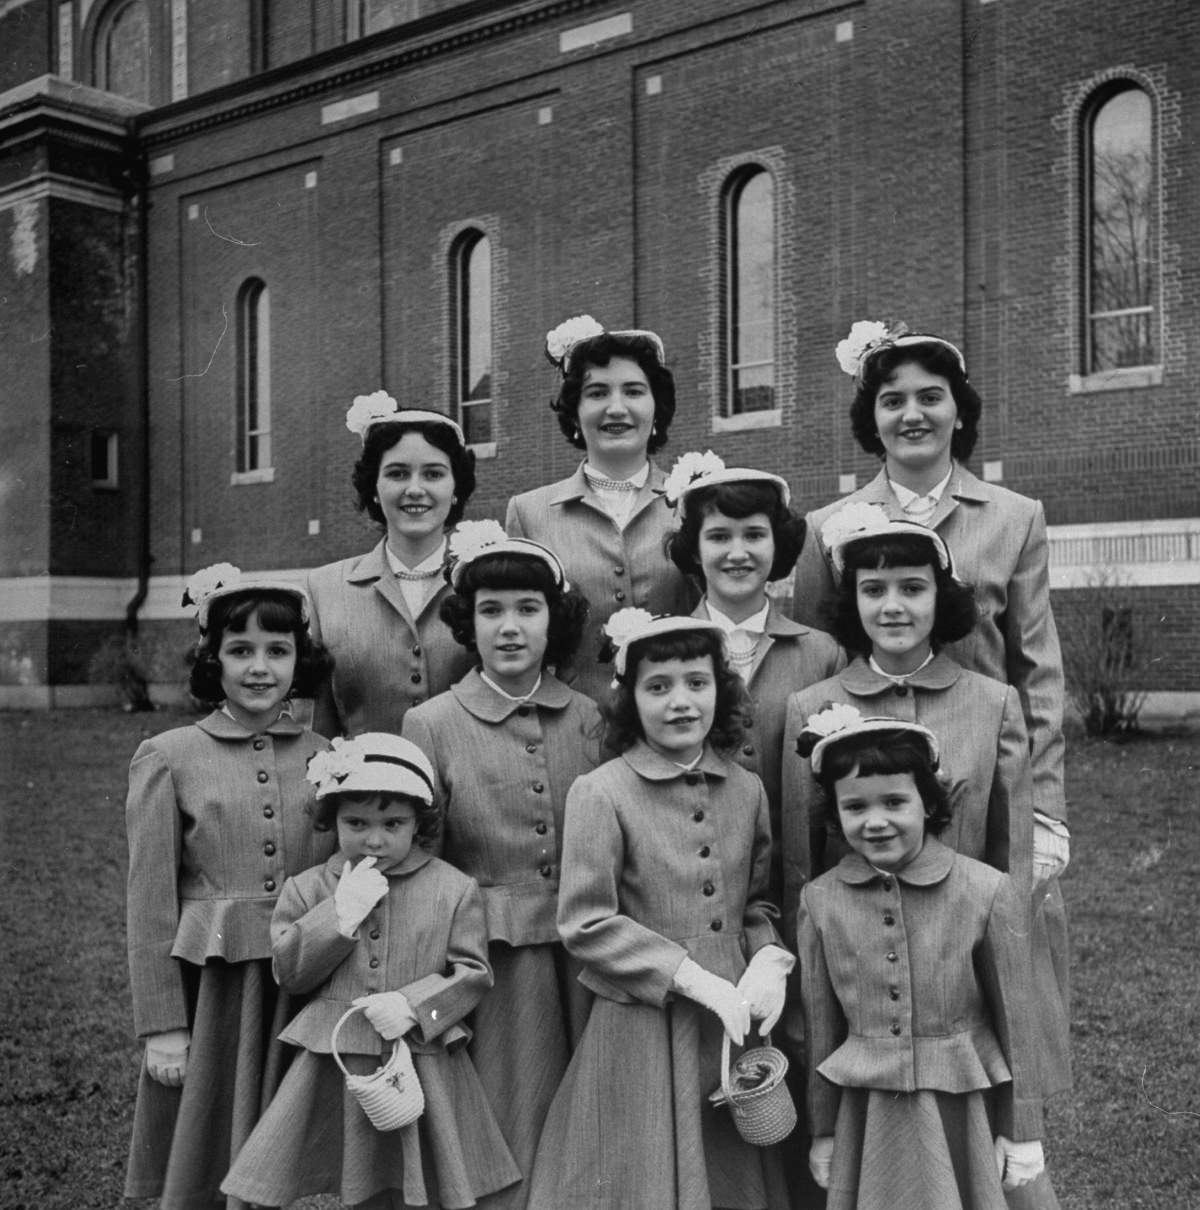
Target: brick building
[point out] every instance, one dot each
(221, 220)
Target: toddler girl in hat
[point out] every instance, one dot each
(385, 927)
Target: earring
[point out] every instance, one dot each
(575, 436)
(453, 499)
(654, 430)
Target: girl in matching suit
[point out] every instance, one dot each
(608, 520)
(378, 613)
(914, 970)
(916, 410)
(216, 822)
(666, 856)
(507, 742)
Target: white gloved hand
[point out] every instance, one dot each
(1018, 1163)
(1051, 848)
(717, 995)
(389, 1012)
(764, 984)
(359, 889)
(820, 1159)
(167, 1056)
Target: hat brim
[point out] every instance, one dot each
(734, 474)
(253, 586)
(522, 547)
(873, 726)
(659, 627)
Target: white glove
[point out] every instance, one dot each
(716, 994)
(167, 1056)
(359, 889)
(764, 984)
(1018, 1163)
(1051, 848)
(820, 1159)
(389, 1012)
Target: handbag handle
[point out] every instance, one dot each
(333, 1050)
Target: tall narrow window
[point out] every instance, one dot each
(123, 50)
(254, 377)
(1122, 259)
(472, 298)
(750, 293)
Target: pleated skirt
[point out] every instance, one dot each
(184, 1139)
(923, 1150)
(316, 1139)
(525, 1030)
(631, 1127)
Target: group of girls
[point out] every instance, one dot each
(556, 879)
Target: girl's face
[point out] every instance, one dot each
(897, 606)
(381, 826)
(616, 412)
(415, 489)
(512, 628)
(882, 817)
(676, 701)
(916, 416)
(257, 668)
(736, 557)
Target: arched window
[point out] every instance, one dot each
(1121, 239)
(471, 296)
(254, 377)
(749, 293)
(123, 52)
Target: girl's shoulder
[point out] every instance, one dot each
(175, 741)
(436, 868)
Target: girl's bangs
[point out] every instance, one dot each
(509, 571)
(278, 612)
(675, 645)
(891, 550)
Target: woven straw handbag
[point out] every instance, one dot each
(392, 1095)
(753, 1087)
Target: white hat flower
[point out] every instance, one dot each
(335, 764)
(832, 719)
(625, 623)
(854, 518)
(563, 338)
(687, 469)
(202, 584)
(470, 538)
(367, 410)
(864, 336)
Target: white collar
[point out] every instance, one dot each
(756, 623)
(905, 496)
(592, 475)
(504, 693)
(430, 564)
(899, 678)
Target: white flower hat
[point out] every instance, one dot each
(838, 722)
(471, 540)
(694, 470)
(858, 521)
(379, 408)
(628, 626)
(219, 580)
(375, 762)
(561, 340)
(867, 337)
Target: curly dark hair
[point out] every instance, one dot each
(737, 500)
(324, 812)
(278, 612)
(624, 724)
(568, 610)
(955, 613)
(880, 754)
(934, 359)
(599, 351)
(381, 438)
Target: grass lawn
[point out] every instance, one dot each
(1128, 1138)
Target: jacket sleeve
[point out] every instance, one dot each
(155, 830)
(824, 1020)
(1006, 973)
(306, 947)
(813, 589)
(635, 958)
(442, 999)
(326, 720)
(761, 915)
(795, 839)
(1010, 806)
(513, 525)
(415, 728)
(1035, 668)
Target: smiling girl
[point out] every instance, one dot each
(506, 743)
(899, 604)
(215, 819)
(666, 857)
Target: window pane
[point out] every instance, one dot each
(1122, 268)
(127, 61)
(477, 321)
(254, 377)
(384, 14)
(752, 295)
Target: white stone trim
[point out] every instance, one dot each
(54, 185)
(1134, 554)
(584, 36)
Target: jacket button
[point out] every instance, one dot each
(893, 992)
(888, 918)
(531, 748)
(716, 926)
(698, 815)
(262, 775)
(708, 888)
(704, 850)
(538, 787)
(374, 934)
(373, 963)
(619, 595)
(748, 750)
(269, 885)
(693, 779)
(747, 723)
(540, 828)
(524, 711)
(891, 955)
(887, 884)
(415, 678)
(259, 745)
(269, 812)
(545, 871)
(895, 1029)
(902, 691)
(269, 849)
(618, 570)
(417, 650)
